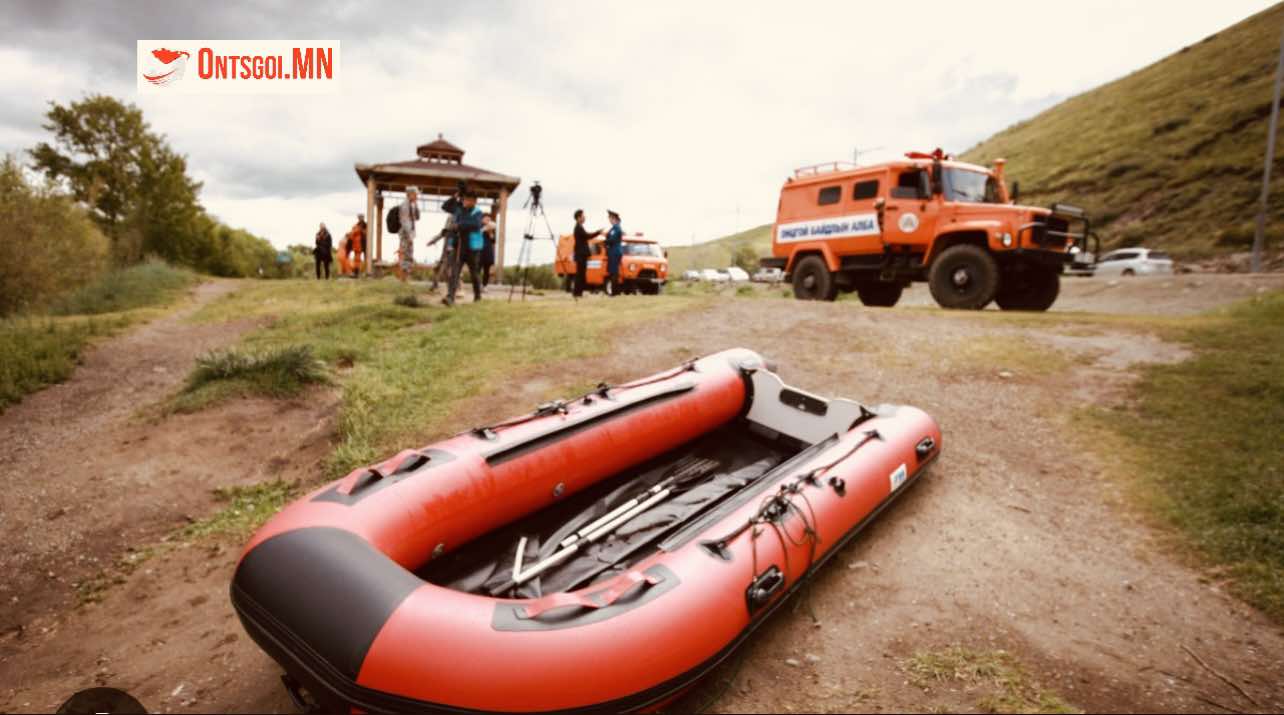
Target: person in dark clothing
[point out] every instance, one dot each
(468, 224)
(488, 248)
(582, 238)
(323, 252)
(614, 253)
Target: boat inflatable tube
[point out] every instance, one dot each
(599, 554)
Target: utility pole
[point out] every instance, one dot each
(1259, 236)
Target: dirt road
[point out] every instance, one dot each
(1018, 539)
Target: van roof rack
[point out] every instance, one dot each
(827, 167)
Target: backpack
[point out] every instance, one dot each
(394, 219)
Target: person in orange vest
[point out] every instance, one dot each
(356, 247)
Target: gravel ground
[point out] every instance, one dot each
(1019, 537)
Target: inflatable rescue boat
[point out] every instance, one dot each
(599, 554)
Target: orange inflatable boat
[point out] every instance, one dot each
(599, 554)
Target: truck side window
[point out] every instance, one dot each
(830, 195)
(907, 185)
(865, 189)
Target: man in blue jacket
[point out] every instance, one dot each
(614, 253)
(468, 224)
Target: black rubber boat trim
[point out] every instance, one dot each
(258, 624)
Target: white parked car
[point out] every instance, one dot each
(713, 276)
(738, 274)
(1134, 262)
(768, 275)
(690, 275)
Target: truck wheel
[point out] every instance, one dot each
(568, 284)
(813, 281)
(1031, 289)
(964, 277)
(879, 294)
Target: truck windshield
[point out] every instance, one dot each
(970, 186)
(641, 249)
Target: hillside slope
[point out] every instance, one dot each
(1170, 155)
(719, 252)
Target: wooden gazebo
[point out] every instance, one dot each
(436, 172)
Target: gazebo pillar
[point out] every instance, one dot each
(372, 216)
(501, 232)
(379, 227)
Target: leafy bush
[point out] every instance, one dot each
(151, 283)
(51, 245)
(541, 277)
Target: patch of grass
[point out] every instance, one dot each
(150, 283)
(1003, 683)
(1204, 437)
(277, 372)
(410, 300)
(410, 366)
(94, 589)
(247, 508)
(36, 352)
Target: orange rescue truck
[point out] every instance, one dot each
(644, 268)
(875, 229)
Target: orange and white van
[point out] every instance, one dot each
(644, 268)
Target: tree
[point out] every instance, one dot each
(135, 186)
(746, 257)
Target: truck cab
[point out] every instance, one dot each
(876, 229)
(644, 268)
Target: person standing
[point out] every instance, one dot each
(582, 238)
(468, 223)
(488, 247)
(323, 251)
(408, 213)
(448, 237)
(614, 253)
(357, 245)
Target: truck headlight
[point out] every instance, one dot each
(1006, 240)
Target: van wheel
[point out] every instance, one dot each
(1128, 272)
(1035, 288)
(964, 277)
(813, 281)
(879, 294)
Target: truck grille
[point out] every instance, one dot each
(647, 273)
(1051, 231)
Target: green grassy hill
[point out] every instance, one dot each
(718, 252)
(1169, 156)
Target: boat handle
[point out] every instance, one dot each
(594, 600)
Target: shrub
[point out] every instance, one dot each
(151, 283)
(51, 245)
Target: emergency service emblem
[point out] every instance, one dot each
(908, 223)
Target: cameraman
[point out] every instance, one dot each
(582, 238)
(468, 222)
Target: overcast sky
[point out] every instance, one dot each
(684, 117)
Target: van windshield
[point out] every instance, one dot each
(641, 249)
(970, 186)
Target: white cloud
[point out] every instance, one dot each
(684, 117)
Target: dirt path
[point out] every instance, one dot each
(86, 480)
(1017, 539)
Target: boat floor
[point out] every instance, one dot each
(737, 456)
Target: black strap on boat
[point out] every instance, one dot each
(772, 512)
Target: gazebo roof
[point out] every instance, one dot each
(437, 171)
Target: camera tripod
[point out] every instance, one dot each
(536, 208)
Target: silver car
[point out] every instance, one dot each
(1134, 262)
